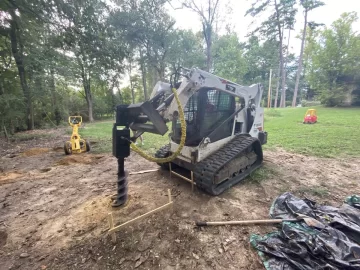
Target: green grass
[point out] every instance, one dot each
(315, 191)
(335, 134)
(262, 174)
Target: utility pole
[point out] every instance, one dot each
(269, 92)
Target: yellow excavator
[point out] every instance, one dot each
(76, 144)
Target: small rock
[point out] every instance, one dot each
(196, 256)
(24, 255)
(138, 263)
(177, 241)
(122, 260)
(42, 258)
(83, 260)
(220, 250)
(138, 257)
(141, 260)
(268, 200)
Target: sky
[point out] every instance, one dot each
(186, 19)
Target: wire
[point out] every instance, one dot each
(182, 139)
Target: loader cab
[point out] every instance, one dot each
(204, 112)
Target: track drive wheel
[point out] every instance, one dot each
(67, 148)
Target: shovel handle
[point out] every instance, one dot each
(242, 222)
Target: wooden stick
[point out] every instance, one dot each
(170, 170)
(111, 224)
(183, 177)
(170, 203)
(141, 172)
(309, 221)
(192, 181)
(169, 194)
(242, 222)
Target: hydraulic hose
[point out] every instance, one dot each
(182, 139)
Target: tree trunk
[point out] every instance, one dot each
(283, 89)
(207, 31)
(285, 65)
(277, 87)
(132, 91)
(131, 82)
(52, 88)
(90, 109)
(298, 73)
(208, 57)
(19, 59)
(86, 84)
(143, 74)
(89, 100)
(282, 100)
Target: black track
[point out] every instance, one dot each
(206, 170)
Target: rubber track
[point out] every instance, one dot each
(206, 170)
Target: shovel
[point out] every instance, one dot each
(311, 222)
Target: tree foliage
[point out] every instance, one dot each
(334, 61)
(61, 57)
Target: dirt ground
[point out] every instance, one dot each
(53, 210)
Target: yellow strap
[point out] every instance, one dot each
(182, 140)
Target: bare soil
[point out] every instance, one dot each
(53, 210)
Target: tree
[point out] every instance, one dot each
(335, 62)
(207, 16)
(229, 60)
(260, 58)
(185, 51)
(97, 48)
(307, 5)
(17, 21)
(282, 16)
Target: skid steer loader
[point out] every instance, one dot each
(224, 125)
